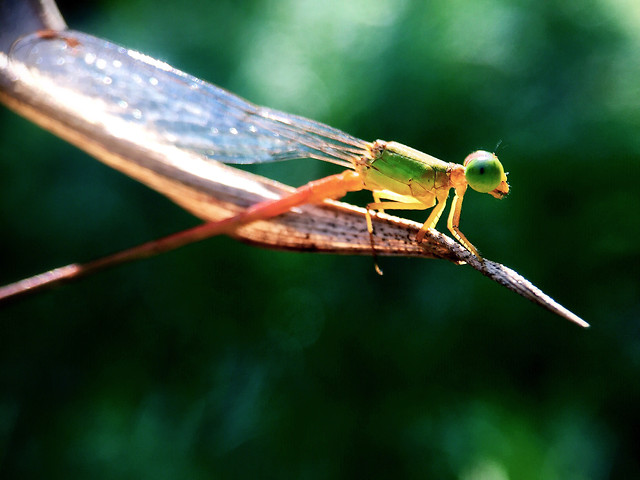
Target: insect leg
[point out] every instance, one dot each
(453, 223)
(377, 199)
(380, 206)
(434, 217)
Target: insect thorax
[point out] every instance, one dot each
(404, 171)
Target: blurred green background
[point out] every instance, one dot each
(225, 361)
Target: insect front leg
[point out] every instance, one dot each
(453, 223)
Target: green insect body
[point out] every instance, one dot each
(407, 179)
(400, 173)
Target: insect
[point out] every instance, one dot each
(202, 118)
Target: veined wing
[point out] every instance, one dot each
(176, 107)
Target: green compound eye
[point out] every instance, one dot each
(484, 171)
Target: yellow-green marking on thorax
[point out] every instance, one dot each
(404, 171)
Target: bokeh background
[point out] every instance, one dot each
(225, 361)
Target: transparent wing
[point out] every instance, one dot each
(180, 109)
